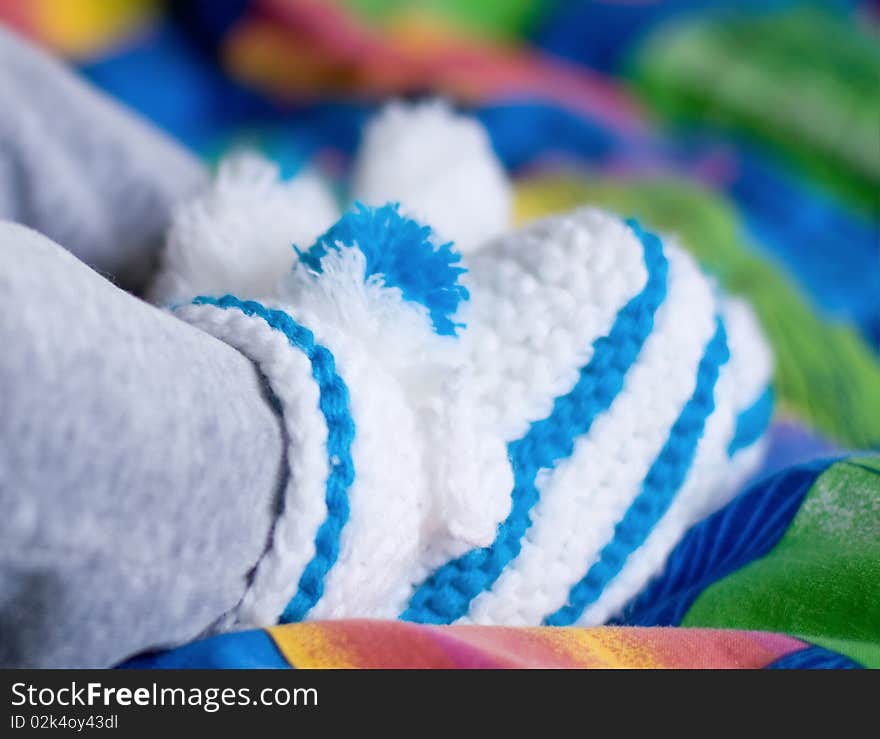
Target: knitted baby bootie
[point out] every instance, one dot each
(519, 440)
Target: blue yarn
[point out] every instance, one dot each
(752, 423)
(399, 250)
(447, 593)
(333, 402)
(663, 480)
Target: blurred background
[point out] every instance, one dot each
(750, 129)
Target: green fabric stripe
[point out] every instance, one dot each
(487, 18)
(748, 73)
(866, 654)
(822, 580)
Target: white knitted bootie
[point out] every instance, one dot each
(519, 442)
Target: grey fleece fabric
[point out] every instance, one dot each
(139, 457)
(76, 167)
(139, 466)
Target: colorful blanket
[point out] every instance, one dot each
(398, 645)
(768, 175)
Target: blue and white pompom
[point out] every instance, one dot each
(399, 253)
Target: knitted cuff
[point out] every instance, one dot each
(312, 400)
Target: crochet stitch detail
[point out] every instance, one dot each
(334, 404)
(664, 478)
(446, 595)
(399, 252)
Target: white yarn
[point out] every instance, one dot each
(540, 297)
(388, 496)
(440, 166)
(238, 236)
(751, 361)
(713, 478)
(342, 295)
(469, 471)
(750, 369)
(588, 493)
(705, 479)
(399, 374)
